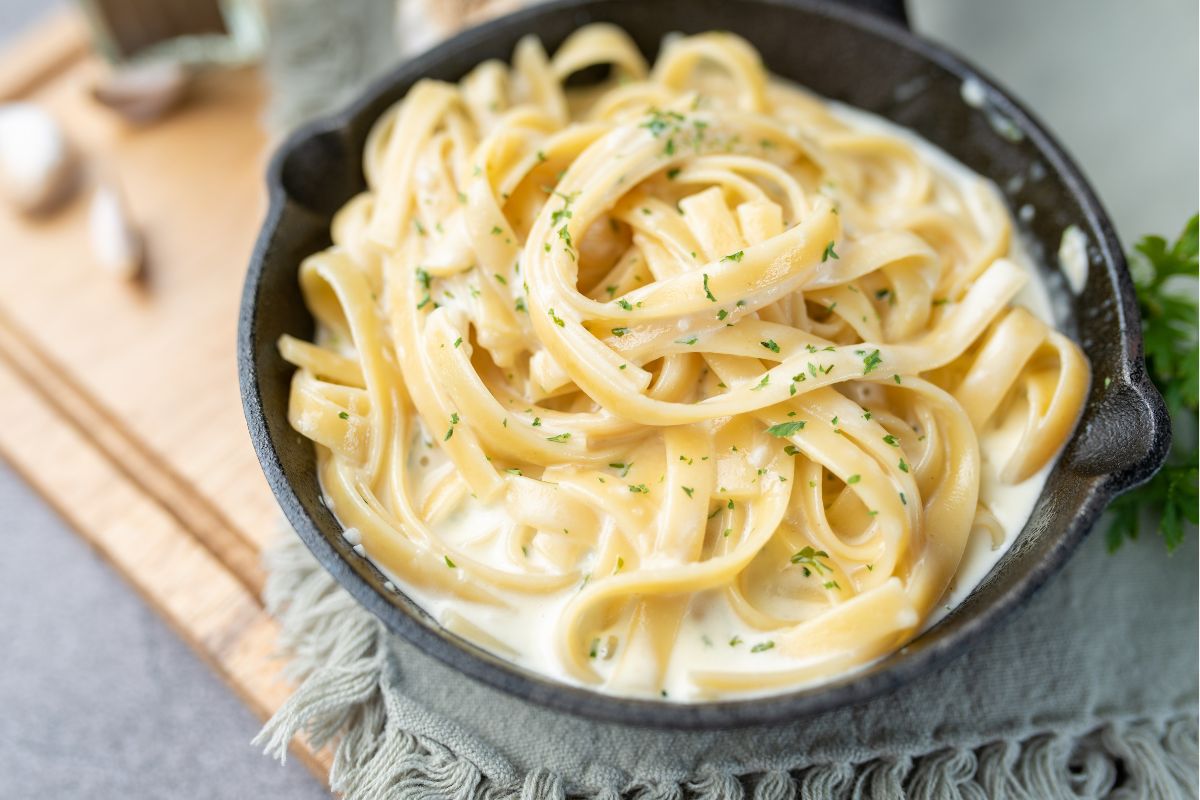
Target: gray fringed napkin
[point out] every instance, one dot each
(1090, 691)
(1092, 686)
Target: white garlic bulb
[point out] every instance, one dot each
(37, 166)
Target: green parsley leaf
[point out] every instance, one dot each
(1165, 278)
(808, 557)
(871, 361)
(786, 429)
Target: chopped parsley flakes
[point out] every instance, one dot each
(871, 361)
(786, 429)
(808, 557)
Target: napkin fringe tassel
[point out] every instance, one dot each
(338, 653)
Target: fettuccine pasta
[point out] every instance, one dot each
(685, 384)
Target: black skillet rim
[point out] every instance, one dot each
(954, 634)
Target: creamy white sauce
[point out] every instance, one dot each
(974, 94)
(1073, 257)
(711, 634)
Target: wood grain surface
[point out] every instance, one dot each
(125, 394)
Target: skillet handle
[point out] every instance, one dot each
(1127, 436)
(1154, 422)
(893, 10)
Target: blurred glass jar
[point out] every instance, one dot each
(187, 32)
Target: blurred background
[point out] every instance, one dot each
(100, 697)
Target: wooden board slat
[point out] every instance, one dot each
(131, 423)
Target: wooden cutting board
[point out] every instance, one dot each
(121, 399)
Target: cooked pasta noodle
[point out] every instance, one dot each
(685, 381)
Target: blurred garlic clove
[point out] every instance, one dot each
(37, 164)
(143, 92)
(116, 242)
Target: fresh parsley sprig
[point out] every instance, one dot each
(1165, 277)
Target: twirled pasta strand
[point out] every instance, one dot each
(683, 344)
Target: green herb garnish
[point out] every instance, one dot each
(786, 429)
(808, 557)
(1164, 276)
(871, 361)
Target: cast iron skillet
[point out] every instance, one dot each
(847, 53)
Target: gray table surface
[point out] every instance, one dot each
(98, 698)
